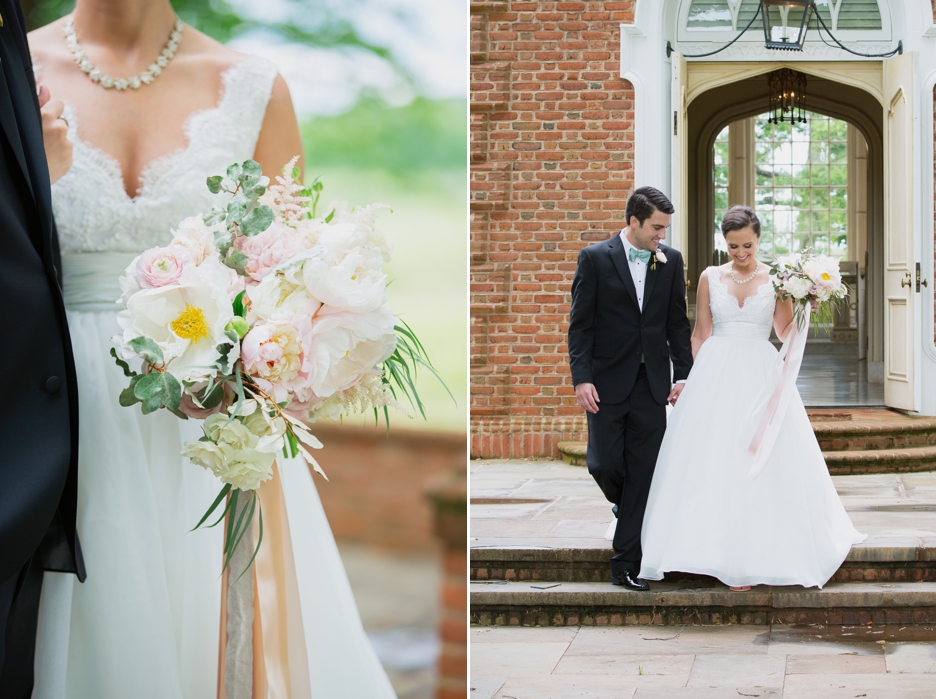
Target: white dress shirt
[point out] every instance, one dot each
(638, 270)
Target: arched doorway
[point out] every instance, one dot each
(845, 367)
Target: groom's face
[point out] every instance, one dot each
(652, 232)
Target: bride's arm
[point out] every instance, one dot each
(279, 140)
(703, 316)
(783, 318)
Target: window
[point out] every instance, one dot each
(801, 186)
(721, 185)
(731, 16)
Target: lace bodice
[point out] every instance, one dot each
(93, 212)
(754, 319)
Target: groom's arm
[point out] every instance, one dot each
(582, 319)
(678, 331)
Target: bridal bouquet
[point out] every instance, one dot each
(261, 318)
(812, 281)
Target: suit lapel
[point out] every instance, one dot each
(653, 271)
(8, 117)
(619, 257)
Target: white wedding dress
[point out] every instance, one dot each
(145, 624)
(705, 514)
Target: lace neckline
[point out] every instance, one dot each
(151, 172)
(740, 302)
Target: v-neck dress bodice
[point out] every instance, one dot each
(93, 211)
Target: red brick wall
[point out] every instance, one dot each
(552, 149)
(377, 492)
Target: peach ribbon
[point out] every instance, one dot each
(280, 657)
(774, 399)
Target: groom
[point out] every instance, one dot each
(628, 320)
(39, 409)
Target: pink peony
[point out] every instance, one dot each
(276, 356)
(277, 244)
(160, 267)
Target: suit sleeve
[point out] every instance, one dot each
(678, 330)
(582, 319)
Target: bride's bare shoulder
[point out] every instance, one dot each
(47, 45)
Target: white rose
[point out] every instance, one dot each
(270, 431)
(797, 287)
(231, 455)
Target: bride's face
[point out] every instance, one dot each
(742, 246)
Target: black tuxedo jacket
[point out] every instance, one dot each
(39, 399)
(608, 334)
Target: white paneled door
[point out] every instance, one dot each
(899, 226)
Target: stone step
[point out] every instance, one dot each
(678, 603)
(857, 441)
(893, 460)
(865, 563)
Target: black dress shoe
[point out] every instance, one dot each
(630, 581)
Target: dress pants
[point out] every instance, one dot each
(623, 443)
(19, 616)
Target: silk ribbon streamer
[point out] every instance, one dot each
(280, 663)
(772, 402)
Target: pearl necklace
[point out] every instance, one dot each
(743, 281)
(106, 81)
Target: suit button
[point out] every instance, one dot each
(53, 384)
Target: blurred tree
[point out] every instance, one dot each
(320, 23)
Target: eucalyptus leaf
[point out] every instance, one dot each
(127, 396)
(237, 261)
(252, 168)
(214, 184)
(121, 363)
(234, 172)
(257, 221)
(237, 208)
(216, 216)
(147, 349)
(158, 388)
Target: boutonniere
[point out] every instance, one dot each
(658, 257)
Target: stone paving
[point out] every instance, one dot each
(546, 504)
(702, 662)
(549, 504)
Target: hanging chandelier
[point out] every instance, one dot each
(787, 96)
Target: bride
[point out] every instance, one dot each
(146, 622)
(705, 514)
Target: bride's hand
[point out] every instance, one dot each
(54, 135)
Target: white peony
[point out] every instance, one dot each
(186, 320)
(197, 237)
(364, 219)
(231, 453)
(280, 296)
(345, 346)
(353, 282)
(793, 260)
(824, 271)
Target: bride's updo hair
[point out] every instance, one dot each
(739, 217)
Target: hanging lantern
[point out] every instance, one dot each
(785, 23)
(787, 90)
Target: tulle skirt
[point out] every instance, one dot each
(145, 623)
(705, 514)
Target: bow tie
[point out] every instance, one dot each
(635, 254)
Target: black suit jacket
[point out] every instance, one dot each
(608, 334)
(39, 404)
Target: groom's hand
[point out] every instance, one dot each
(674, 394)
(587, 397)
(54, 135)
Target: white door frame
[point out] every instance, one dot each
(645, 65)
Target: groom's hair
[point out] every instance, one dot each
(644, 201)
(738, 218)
